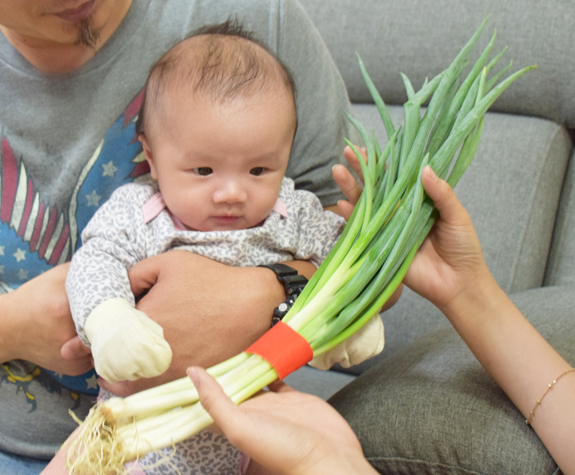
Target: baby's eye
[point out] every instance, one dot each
(257, 171)
(203, 171)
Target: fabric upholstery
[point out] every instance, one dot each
(321, 383)
(431, 408)
(419, 39)
(561, 266)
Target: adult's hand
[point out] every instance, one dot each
(450, 260)
(284, 431)
(35, 323)
(347, 183)
(209, 311)
(450, 271)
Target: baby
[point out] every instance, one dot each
(216, 127)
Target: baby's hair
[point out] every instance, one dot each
(228, 63)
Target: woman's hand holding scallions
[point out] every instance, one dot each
(449, 270)
(284, 431)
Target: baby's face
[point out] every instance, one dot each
(220, 167)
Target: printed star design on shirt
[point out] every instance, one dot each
(23, 274)
(51, 233)
(20, 255)
(109, 169)
(92, 382)
(93, 199)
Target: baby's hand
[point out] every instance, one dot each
(126, 343)
(450, 260)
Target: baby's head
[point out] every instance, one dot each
(217, 125)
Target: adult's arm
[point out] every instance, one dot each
(35, 322)
(449, 270)
(209, 311)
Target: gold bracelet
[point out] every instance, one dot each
(549, 387)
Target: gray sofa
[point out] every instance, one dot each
(425, 405)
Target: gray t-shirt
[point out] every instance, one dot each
(68, 141)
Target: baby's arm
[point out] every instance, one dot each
(126, 344)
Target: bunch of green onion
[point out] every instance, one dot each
(390, 221)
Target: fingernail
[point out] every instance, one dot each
(432, 173)
(194, 376)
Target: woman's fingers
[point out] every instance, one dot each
(353, 161)
(213, 398)
(442, 195)
(347, 183)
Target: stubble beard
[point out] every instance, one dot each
(87, 35)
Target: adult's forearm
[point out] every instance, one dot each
(522, 362)
(35, 323)
(6, 329)
(209, 311)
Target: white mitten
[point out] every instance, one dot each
(126, 343)
(366, 343)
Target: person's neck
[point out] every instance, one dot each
(52, 57)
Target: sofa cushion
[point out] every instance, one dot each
(561, 265)
(432, 409)
(511, 191)
(421, 38)
(315, 381)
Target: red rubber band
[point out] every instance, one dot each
(284, 348)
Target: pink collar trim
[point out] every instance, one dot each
(281, 208)
(154, 206)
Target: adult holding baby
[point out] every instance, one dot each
(72, 74)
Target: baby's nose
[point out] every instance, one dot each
(230, 192)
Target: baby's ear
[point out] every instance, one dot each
(148, 154)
